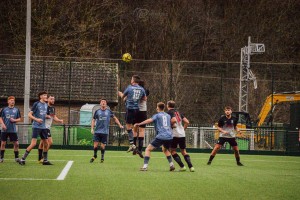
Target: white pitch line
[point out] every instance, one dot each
(27, 179)
(65, 171)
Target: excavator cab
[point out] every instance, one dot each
(244, 120)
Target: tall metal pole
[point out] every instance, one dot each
(27, 63)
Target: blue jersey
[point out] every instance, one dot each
(102, 118)
(8, 113)
(39, 110)
(162, 124)
(134, 94)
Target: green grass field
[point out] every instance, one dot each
(262, 177)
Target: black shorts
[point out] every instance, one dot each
(141, 116)
(231, 141)
(49, 133)
(131, 116)
(13, 137)
(100, 137)
(157, 143)
(178, 141)
(43, 133)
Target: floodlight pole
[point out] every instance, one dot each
(27, 63)
(246, 74)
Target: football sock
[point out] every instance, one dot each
(134, 140)
(141, 143)
(170, 160)
(237, 159)
(45, 155)
(187, 159)
(16, 154)
(25, 154)
(146, 160)
(95, 152)
(40, 154)
(102, 154)
(130, 136)
(2, 154)
(178, 159)
(211, 158)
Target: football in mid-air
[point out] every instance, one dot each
(126, 57)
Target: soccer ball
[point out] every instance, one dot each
(126, 57)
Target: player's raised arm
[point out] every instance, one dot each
(147, 121)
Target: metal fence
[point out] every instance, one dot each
(262, 139)
(200, 88)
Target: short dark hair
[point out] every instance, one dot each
(42, 93)
(227, 108)
(161, 105)
(142, 83)
(103, 99)
(171, 104)
(136, 78)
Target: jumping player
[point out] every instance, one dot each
(133, 95)
(8, 118)
(48, 122)
(139, 132)
(101, 119)
(162, 124)
(227, 127)
(38, 114)
(179, 136)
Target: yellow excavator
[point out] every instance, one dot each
(244, 120)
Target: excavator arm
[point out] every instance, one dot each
(277, 98)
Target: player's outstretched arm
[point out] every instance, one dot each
(55, 118)
(147, 121)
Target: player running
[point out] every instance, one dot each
(48, 122)
(101, 119)
(227, 127)
(179, 136)
(133, 95)
(162, 125)
(8, 118)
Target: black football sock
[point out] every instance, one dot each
(2, 154)
(102, 154)
(141, 143)
(211, 158)
(237, 159)
(45, 155)
(95, 152)
(40, 154)
(187, 159)
(16, 154)
(178, 160)
(25, 154)
(134, 140)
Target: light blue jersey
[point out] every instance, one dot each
(162, 124)
(134, 94)
(8, 113)
(39, 110)
(102, 118)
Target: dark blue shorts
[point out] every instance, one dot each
(100, 137)
(131, 116)
(157, 143)
(141, 116)
(43, 133)
(13, 137)
(231, 141)
(49, 133)
(178, 141)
